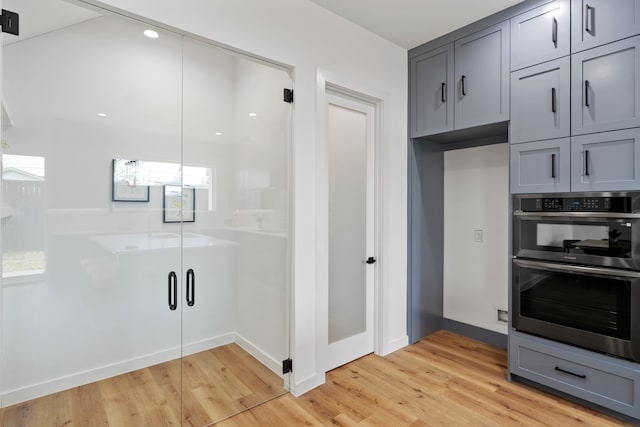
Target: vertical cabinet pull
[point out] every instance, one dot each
(462, 82)
(191, 288)
(443, 88)
(554, 32)
(173, 291)
(588, 16)
(553, 100)
(586, 162)
(553, 166)
(586, 93)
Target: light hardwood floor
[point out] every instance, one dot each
(444, 380)
(216, 384)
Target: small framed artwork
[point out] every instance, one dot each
(126, 183)
(179, 204)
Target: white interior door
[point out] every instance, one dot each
(350, 140)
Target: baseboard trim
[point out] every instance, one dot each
(490, 337)
(308, 384)
(395, 345)
(22, 394)
(268, 361)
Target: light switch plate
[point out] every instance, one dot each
(477, 236)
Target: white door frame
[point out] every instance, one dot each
(350, 88)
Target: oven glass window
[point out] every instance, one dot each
(592, 303)
(572, 237)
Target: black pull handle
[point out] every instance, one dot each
(553, 100)
(371, 260)
(464, 89)
(553, 166)
(191, 288)
(586, 162)
(554, 32)
(564, 371)
(586, 93)
(588, 19)
(173, 291)
(443, 88)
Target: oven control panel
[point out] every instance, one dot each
(576, 204)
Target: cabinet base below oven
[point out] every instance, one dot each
(606, 381)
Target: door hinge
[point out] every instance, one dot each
(287, 366)
(288, 95)
(10, 22)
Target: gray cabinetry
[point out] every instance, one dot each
(603, 380)
(482, 77)
(606, 161)
(605, 94)
(540, 35)
(541, 166)
(540, 102)
(596, 22)
(431, 92)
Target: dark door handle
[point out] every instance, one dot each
(586, 162)
(586, 93)
(443, 87)
(173, 291)
(371, 260)
(588, 18)
(553, 166)
(564, 371)
(553, 100)
(554, 32)
(191, 288)
(462, 82)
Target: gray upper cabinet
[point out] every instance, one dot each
(540, 102)
(482, 77)
(431, 92)
(607, 161)
(597, 22)
(605, 94)
(541, 166)
(540, 35)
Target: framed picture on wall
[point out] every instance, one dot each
(179, 204)
(126, 183)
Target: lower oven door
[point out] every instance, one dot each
(590, 307)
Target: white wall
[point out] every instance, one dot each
(306, 37)
(476, 194)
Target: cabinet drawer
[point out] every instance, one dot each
(599, 379)
(540, 35)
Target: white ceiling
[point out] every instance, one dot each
(410, 23)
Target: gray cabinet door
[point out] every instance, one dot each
(540, 35)
(482, 77)
(431, 92)
(605, 94)
(540, 102)
(596, 22)
(608, 161)
(541, 166)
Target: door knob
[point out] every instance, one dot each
(371, 260)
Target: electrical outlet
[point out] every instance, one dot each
(502, 316)
(477, 236)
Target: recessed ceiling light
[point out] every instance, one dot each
(252, 114)
(151, 34)
(219, 133)
(102, 115)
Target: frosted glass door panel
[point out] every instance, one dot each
(347, 138)
(91, 133)
(235, 314)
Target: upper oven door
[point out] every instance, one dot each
(599, 239)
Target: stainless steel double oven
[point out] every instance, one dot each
(576, 269)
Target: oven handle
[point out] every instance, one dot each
(614, 215)
(577, 268)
